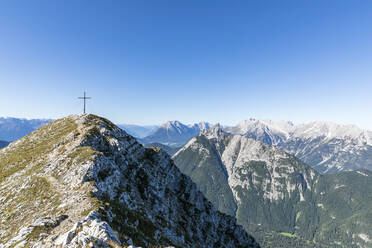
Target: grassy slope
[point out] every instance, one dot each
(23, 168)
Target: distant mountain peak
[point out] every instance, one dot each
(213, 132)
(202, 125)
(174, 123)
(175, 133)
(281, 127)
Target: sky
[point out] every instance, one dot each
(146, 62)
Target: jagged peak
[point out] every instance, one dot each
(282, 128)
(179, 125)
(202, 125)
(172, 124)
(213, 132)
(332, 130)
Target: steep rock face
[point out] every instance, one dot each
(200, 158)
(257, 181)
(269, 189)
(327, 147)
(82, 181)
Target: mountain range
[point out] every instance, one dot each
(15, 128)
(274, 195)
(174, 133)
(327, 147)
(81, 181)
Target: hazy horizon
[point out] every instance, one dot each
(192, 123)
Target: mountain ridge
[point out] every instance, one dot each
(327, 147)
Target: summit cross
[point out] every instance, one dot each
(84, 98)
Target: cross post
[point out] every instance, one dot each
(84, 98)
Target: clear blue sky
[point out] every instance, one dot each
(147, 62)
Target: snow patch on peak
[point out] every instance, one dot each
(365, 237)
(326, 146)
(173, 124)
(362, 173)
(202, 126)
(313, 129)
(280, 127)
(332, 130)
(180, 126)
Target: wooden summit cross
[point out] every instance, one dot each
(84, 98)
